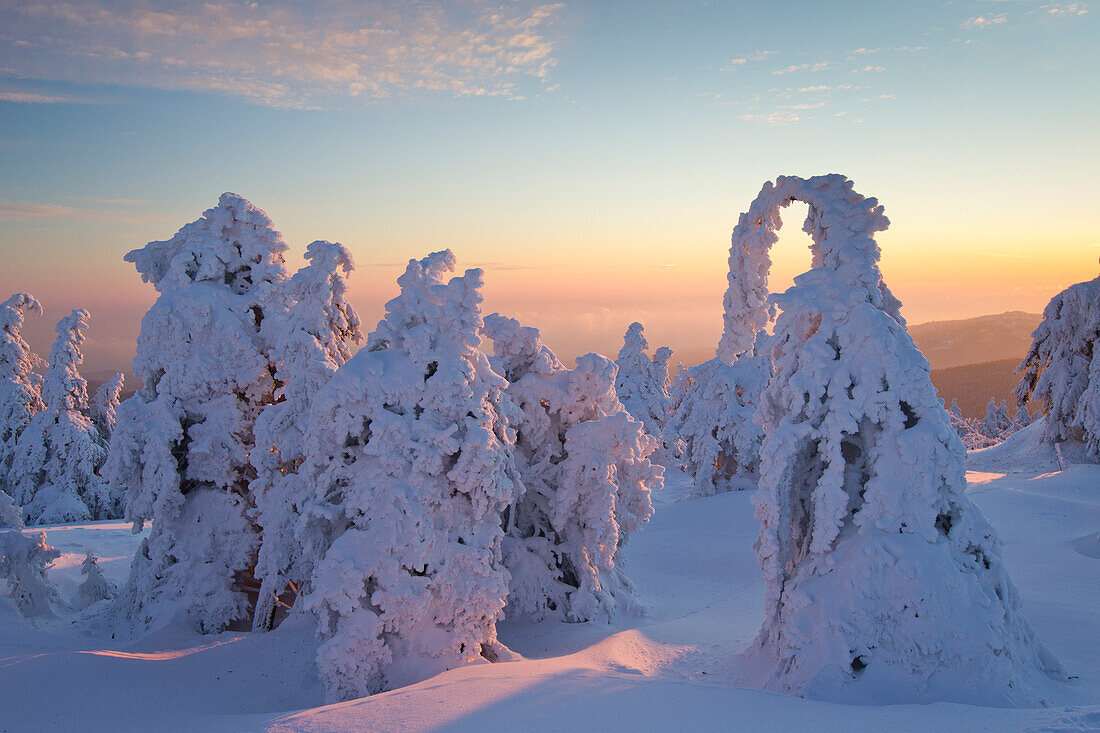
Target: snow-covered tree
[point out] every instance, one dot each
(20, 385)
(1062, 367)
(310, 337)
(409, 462)
(584, 462)
(883, 582)
(642, 382)
(996, 424)
(182, 443)
(1020, 419)
(24, 559)
(104, 407)
(95, 587)
(55, 473)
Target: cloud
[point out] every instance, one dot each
(777, 117)
(1065, 9)
(285, 54)
(32, 98)
(742, 60)
(985, 21)
(20, 210)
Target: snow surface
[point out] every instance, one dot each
(680, 666)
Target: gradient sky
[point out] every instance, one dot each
(592, 157)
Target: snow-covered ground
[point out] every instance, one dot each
(678, 667)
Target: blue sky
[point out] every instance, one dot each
(592, 157)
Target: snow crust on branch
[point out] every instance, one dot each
(311, 335)
(884, 583)
(588, 480)
(407, 454)
(55, 472)
(181, 446)
(1062, 367)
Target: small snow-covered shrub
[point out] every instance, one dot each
(584, 462)
(407, 456)
(181, 446)
(55, 471)
(20, 385)
(311, 335)
(1062, 367)
(95, 587)
(883, 582)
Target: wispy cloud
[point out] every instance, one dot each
(286, 54)
(33, 98)
(22, 210)
(742, 60)
(985, 21)
(1065, 9)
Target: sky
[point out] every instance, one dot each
(592, 157)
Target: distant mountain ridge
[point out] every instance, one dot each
(990, 338)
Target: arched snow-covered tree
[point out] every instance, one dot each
(1062, 367)
(20, 385)
(311, 336)
(95, 587)
(182, 443)
(883, 582)
(55, 471)
(409, 462)
(584, 462)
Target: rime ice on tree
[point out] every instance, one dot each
(55, 471)
(585, 467)
(1062, 367)
(642, 382)
(20, 385)
(311, 335)
(182, 442)
(408, 458)
(883, 581)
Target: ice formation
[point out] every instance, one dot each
(584, 462)
(883, 581)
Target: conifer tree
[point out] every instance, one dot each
(182, 443)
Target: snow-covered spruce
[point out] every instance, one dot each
(95, 587)
(642, 383)
(55, 471)
(883, 582)
(584, 462)
(996, 425)
(408, 458)
(311, 335)
(24, 559)
(1062, 368)
(104, 407)
(20, 385)
(182, 441)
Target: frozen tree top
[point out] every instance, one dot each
(850, 250)
(16, 356)
(233, 243)
(63, 387)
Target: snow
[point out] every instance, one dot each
(678, 666)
